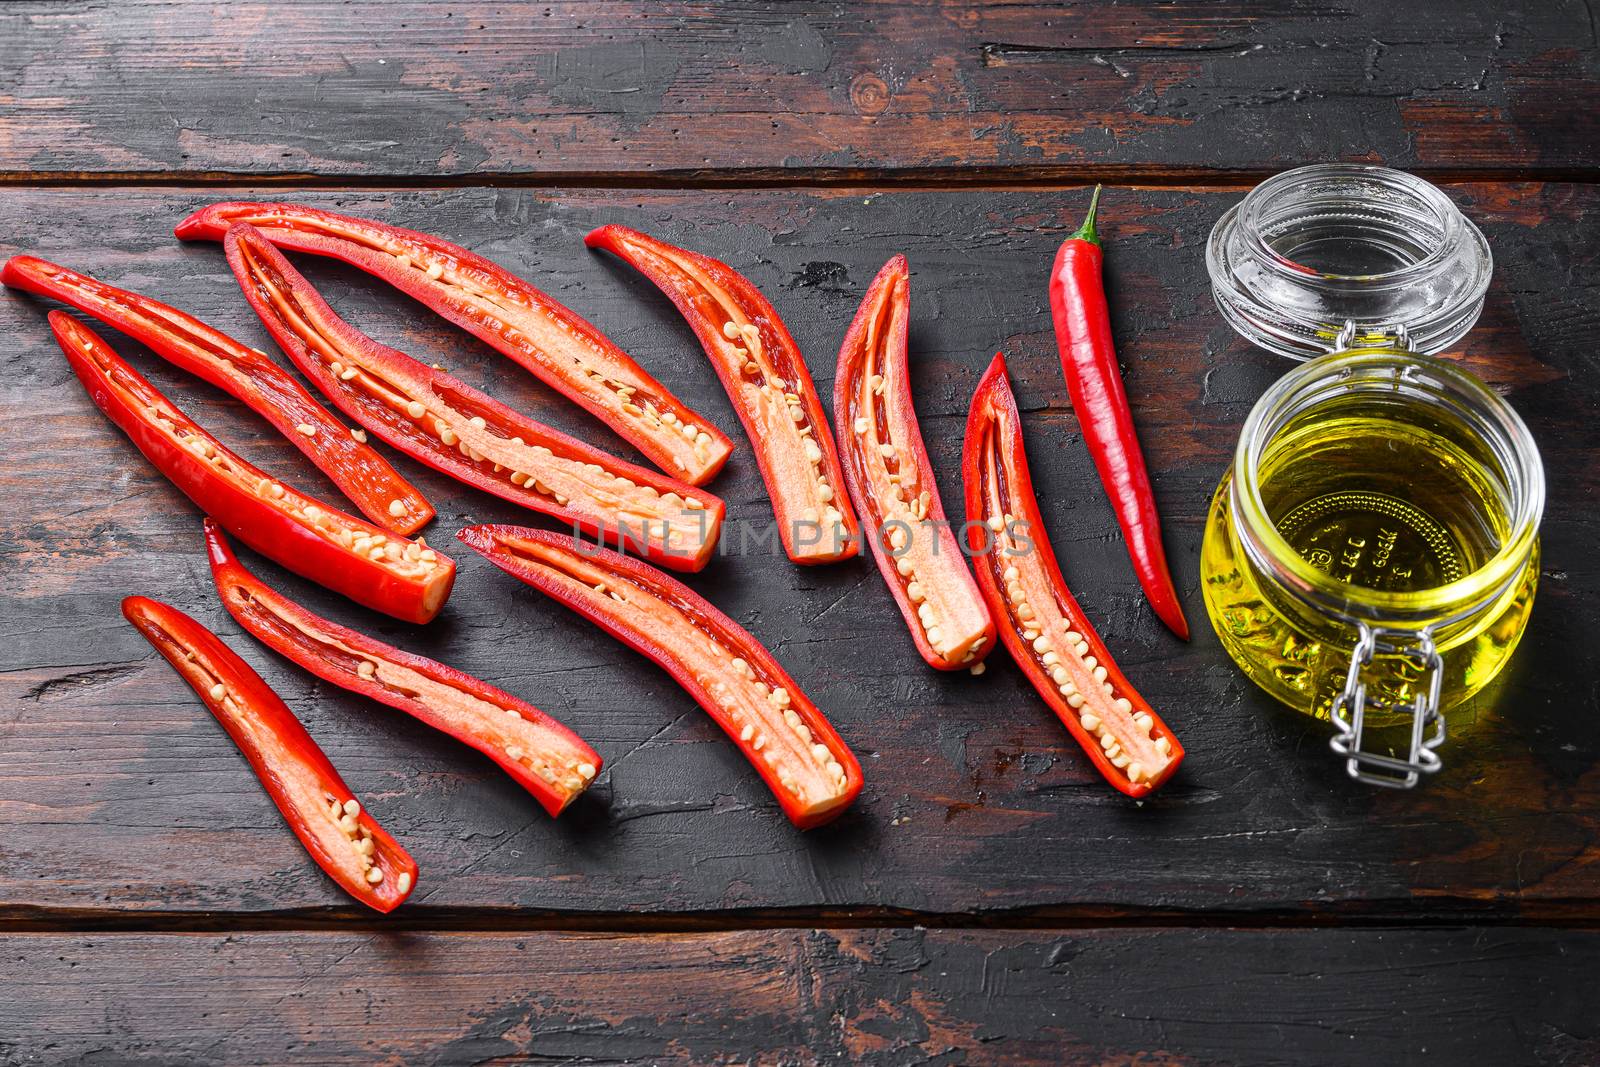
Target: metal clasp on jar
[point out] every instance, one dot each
(1349, 710)
(1350, 336)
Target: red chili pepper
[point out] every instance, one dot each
(341, 453)
(766, 378)
(341, 836)
(892, 483)
(546, 758)
(472, 437)
(728, 672)
(1094, 382)
(390, 574)
(1041, 623)
(507, 313)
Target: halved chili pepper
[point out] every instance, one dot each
(454, 428)
(507, 313)
(728, 672)
(766, 378)
(891, 481)
(341, 836)
(402, 578)
(340, 452)
(1094, 382)
(1041, 623)
(545, 758)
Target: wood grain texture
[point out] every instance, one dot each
(720, 92)
(872, 997)
(117, 790)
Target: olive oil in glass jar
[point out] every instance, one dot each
(1371, 554)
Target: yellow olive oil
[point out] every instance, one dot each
(1384, 495)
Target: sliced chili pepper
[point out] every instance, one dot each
(1041, 623)
(403, 578)
(763, 372)
(472, 437)
(548, 339)
(341, 453)
(341, 836)
(1094, 382)
(891, 481)
(728, 672)
(546, 758)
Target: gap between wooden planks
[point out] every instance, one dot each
(1023, 178)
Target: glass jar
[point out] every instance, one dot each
(1371, 554)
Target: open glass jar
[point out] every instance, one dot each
(1371, 554)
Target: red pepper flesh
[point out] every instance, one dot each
(727, 671)
(892, 483)
(510, 315)
(472, 437)
(266, 388)
(1041, 623)
(348, 555)
(545, 758)
(1094, 382)
(340, 834)
(766, 378)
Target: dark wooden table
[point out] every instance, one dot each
(988, 899)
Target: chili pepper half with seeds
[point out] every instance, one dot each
(1040, 621)
(545, 758)
(546, 338)
(472, 437)
(402, 578)
(891, 479)
(727, 671)
(266, 388)
(342, 837)
(767, 380)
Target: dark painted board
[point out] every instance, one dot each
(118, 791)
(717, 90)
(1306, 997)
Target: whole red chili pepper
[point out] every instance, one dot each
(1042, 625)
(546, 758)
(454, 428)
(506, 313)
(340, 452)
(389, 574)
(341, 836)
(728, 672)
(1094, 381)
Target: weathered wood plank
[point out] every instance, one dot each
(1308, 997)
(759, 89)
(118, 791)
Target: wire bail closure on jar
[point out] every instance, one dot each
(1349, 709)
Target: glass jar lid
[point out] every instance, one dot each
(1324, 257)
